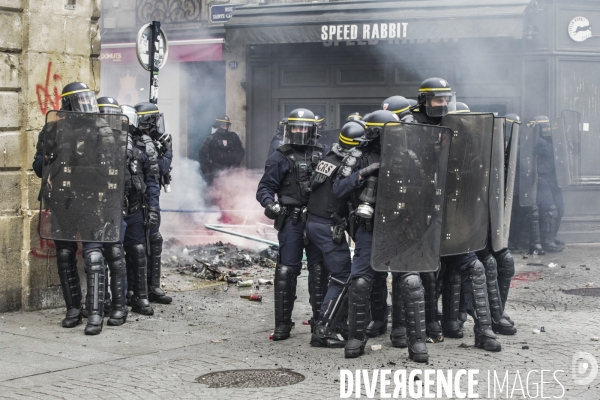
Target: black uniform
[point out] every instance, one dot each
(551, 205)
(221, 150)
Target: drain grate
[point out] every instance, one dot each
(250, 378)
(594, 292)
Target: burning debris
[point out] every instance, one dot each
(219, 261)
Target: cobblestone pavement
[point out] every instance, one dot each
(209, 329)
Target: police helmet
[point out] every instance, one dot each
(301, 127)
(512, 117)
(460, 108)
(541, 122)
(131, 114)
(108, 105)
(220, 121)
(352, 134)
(396, 104)
(77, 96)
(320, 120)
(436, 95)
(150, 118)
(355, 116)
(375, 121)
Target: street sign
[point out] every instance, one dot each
(142, 47)
(222, 13)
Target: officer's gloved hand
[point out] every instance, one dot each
(151, 218)
(272, 210)
(368, 171)
(166, 141)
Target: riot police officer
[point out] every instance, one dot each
(77, 96)
(162, 155)
(278, 138)
(464, 274)
(551, 205)
(379, 294)
(321, 124)
(326, 227)
(221, 149)
(287, 175)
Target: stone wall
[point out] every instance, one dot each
(43, 46)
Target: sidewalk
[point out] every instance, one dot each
(209, 329)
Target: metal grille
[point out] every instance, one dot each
(250, 378)
(594, 292)
(167, 11)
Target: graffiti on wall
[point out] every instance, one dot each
(48, 94)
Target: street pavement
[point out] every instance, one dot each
(211, 329)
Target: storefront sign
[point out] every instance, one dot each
(580, 29)
(221, 13)
(392, 30)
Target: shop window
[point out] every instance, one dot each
(304, 77)
(361, 76)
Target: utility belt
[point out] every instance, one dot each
(355, 222)
(129, 209)
(296, 214)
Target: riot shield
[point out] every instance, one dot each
(528, 139)
(467, 215)
(510, 160)
(497, 189)
(83, 176)
(410, 198)
(572, 120)
(561, 153)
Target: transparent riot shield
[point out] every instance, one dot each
(83, 176)
(561, 153)
(466, 215)
(510, 160)
(528, 139)
(572, 121)
(410, 198)
(497, 182)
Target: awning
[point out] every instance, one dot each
(179, 51)
(385, 20)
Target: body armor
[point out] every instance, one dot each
(322, 201)
(295, 186)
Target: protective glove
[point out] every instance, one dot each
(272, 210)
(166, 141)
(368, 171)
(152, 218)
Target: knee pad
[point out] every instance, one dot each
(412, 282)
(156, 238)
(114, 252)
(491, 267)
(476, 272)
(506, 264)
(360, 289)
(64, 256)
(534, 213)
(553, 212)
(94, 262)
(136, 253)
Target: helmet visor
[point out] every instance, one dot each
(439, 104)
(149, 121)
(300, 132)
(84, 102)
(131, 114)
(106, 109)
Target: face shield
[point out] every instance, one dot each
(152, 120)
(440, 104)
(109, 110)
(84, 102)
(131, 114)
(299, 133)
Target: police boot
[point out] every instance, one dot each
(451, 326)
(379, 309)
(69, 282)
(499, 324)
(398, 334)
(155, 292)
(548, 245)
(433, 327)
(95, 270)
(547, 232)
(535, 246)
(328, 330)
(317, 284)
(358, 315)
(413, 296)
(475, 288)
(139, 301)
(285, 295)
(115, 255)
(506, 270)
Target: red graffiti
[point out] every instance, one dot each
(525, 276)
(48, 100)
(45, 248)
